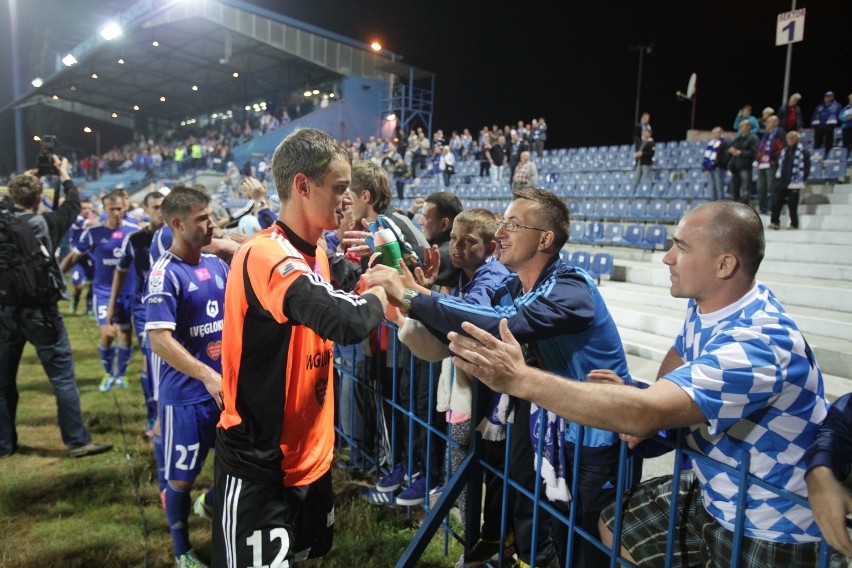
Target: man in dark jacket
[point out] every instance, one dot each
(794, 167)
(743, 150)
(42, 326)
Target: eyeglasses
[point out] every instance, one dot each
(512, 227)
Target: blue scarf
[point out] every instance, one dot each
(709, 161)
(797, 174)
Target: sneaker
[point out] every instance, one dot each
(395, 479)
(415, 493)
(201, 508)
(376, 497)
(106, 383)
(485, 551)
(121, 382)
(773, 226)
(189, 560)
(89, 449)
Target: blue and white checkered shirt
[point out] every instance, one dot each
(750, 371)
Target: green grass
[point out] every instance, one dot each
(105, 511)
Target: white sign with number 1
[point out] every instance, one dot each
(790, 27)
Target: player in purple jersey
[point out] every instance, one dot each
(103, 243)
(184, 301)
(83, 270)
(135, 254)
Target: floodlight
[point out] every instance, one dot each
(69, 60)
(111, 31)
(38, 82)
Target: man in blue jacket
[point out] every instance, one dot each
(559, 316)
(824, 120)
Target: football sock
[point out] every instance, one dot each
(107, 357)
(124, 353)
(178, 503)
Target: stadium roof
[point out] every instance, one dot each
(177, 59)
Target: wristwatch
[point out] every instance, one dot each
(407, 296)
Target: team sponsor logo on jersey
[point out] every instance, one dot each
(220, 283)
(320, 389)
(204, 329)
(155, 300)
(117, 235)
(214, 349)
(318, 359)
(155, 280)
(202, 274)
(192, 287)
(212, 307)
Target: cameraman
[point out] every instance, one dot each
(42, 326)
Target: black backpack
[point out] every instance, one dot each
(29, 275)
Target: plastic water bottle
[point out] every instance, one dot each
(386, 243)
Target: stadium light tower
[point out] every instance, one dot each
(642, 49)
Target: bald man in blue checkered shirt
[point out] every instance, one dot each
(740, 378)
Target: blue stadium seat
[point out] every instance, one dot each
(573, 207)
(837, 153)
(565, 255)
(656, 209)
(621, 208)
(643, 190)
(655, 237)
(660, 189)
(675, 210)
(638, 210)
(604, 208)
(613, 234)
(578, 232)
(601, 266)
(594, 232)
(587, 209)
(580, 259)
(634, 234)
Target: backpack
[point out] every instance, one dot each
(29, 275)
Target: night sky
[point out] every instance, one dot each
(571, 62)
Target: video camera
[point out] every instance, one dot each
(45, 164)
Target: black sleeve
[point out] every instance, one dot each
(59, 221)
(332, 314)
(807, 164)
(344, 274)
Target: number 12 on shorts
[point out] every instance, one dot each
(255, 541)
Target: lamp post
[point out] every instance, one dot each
(88, 130)
(642, 49)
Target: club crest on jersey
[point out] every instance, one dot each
(116, 252)
(202, 274)
(212, 308)
(219, 282)
(214, 350)
(320, 389)
(155, 280)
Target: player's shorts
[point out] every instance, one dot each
(137, 315)
(189, 432)
(265, 523)
(123, 307)
(82, 271)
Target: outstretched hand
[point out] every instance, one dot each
(831, 502)
(427, 275)
(496, 362)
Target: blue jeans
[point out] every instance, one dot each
(45, 329)
(717, 179)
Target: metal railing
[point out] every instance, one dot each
(374, 443)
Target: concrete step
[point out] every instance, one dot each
(822, 285)
(818, 221)
(825, 209)
(649, 332)
(798, 252)
(803, 236)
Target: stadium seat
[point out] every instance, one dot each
(656, 209)
(638, 209)
(594, 232)
(613, 234)
(578, 232)
(565, 255)
(643, 190)
(580, 259)
(675, 209)
(634, 234)
(604, 209)
(601, 266)
(573, 207)
(587, 209)
(621, 208)
(655, 237)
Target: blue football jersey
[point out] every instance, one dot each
(189, 300)
(103, 244)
